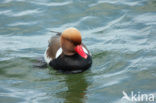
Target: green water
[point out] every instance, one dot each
(119, 33)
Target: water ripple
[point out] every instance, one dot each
(24, 13)
(30, 95)
(111, 23)
(146, 18)
(52, 3)
(4, 12)
(119, 2)
(22, 23)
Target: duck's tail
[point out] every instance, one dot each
(58, 33)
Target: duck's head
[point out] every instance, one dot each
(71, 42)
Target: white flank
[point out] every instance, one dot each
(59, 52)
(84, 49)
(47, 59)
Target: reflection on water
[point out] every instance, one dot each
(77, 87)
(119, 33)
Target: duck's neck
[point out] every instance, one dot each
(68, 53)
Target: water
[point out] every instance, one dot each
(119, 33)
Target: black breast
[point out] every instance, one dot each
(71, 64)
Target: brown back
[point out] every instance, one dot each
(54, 45)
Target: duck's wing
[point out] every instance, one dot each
(54, 45)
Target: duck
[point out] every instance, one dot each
(66, 52)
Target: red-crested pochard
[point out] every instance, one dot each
(67, 53)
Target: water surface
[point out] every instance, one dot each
(119, 33)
